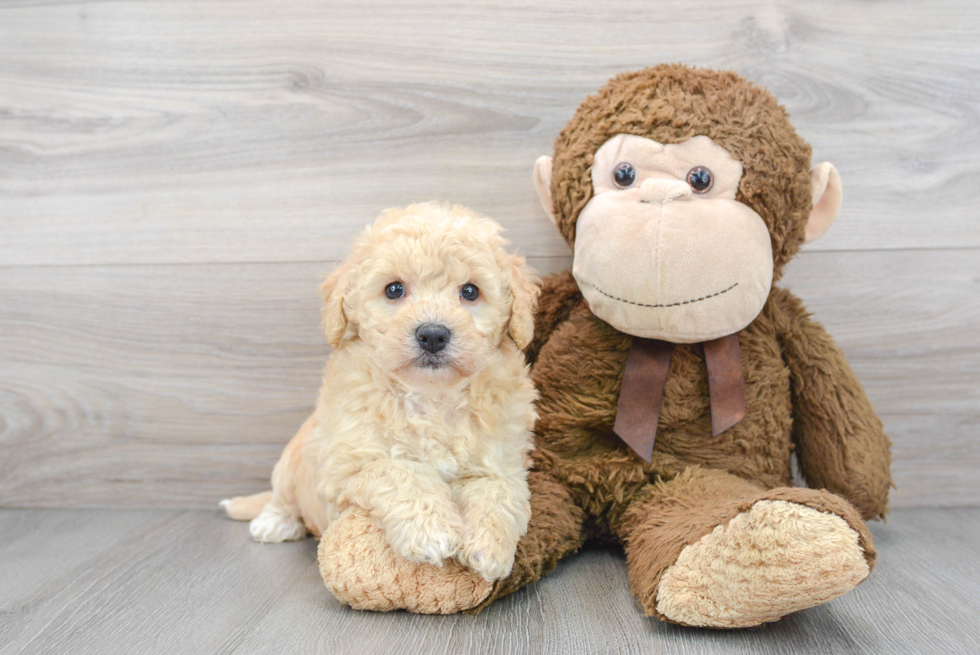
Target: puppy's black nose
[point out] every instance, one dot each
(432, 338)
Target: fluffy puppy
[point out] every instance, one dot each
(425, 413)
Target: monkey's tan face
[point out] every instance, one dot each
(663, 250)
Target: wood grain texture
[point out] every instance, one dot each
(108, 581)
(229, 131)
(176, 176)
(169, 391)
(175, 386)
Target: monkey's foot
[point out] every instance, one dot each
(360, 569)
(775, 558)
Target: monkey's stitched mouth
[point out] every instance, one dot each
(672, 304)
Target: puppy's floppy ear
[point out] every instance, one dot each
(525, 288)
(333, 289)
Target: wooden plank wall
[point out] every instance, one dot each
(175, 177)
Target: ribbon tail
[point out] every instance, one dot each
(642, 394)
(726, 383)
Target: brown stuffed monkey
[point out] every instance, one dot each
(676, 381)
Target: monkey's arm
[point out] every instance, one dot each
(559, 295)
(839, 438)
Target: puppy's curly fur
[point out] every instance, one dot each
(433, 444)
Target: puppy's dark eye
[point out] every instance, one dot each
(394, 291)
(469, 292)
(625, 175)
(700, 179)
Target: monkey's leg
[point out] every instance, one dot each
(713, 550)
(554, 532)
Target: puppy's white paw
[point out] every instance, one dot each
(490, 557)
(273, 526)
(429, 538)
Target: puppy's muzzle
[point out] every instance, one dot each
(432, 338)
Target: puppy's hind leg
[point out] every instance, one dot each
(245, 508)
(275, 524)
(281, 516)
(268, 522)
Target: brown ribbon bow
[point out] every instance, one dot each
(646, 376)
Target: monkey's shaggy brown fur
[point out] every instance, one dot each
(800, 392)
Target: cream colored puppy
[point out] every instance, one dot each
(426, 409)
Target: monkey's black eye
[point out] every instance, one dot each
(700, 179)
(624, 175)
(469, 292)
(394, 291)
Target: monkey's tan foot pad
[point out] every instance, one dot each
(776, 558)
(360, 569)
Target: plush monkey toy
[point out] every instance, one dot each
(676, 381)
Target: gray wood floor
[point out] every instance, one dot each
(157, 581)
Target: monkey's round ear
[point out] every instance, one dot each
(542, 183)
(332, 290)
(827, 195)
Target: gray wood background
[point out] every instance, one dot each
(175, 178)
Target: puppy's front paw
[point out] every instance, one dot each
(490, 555)
(427, 538)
